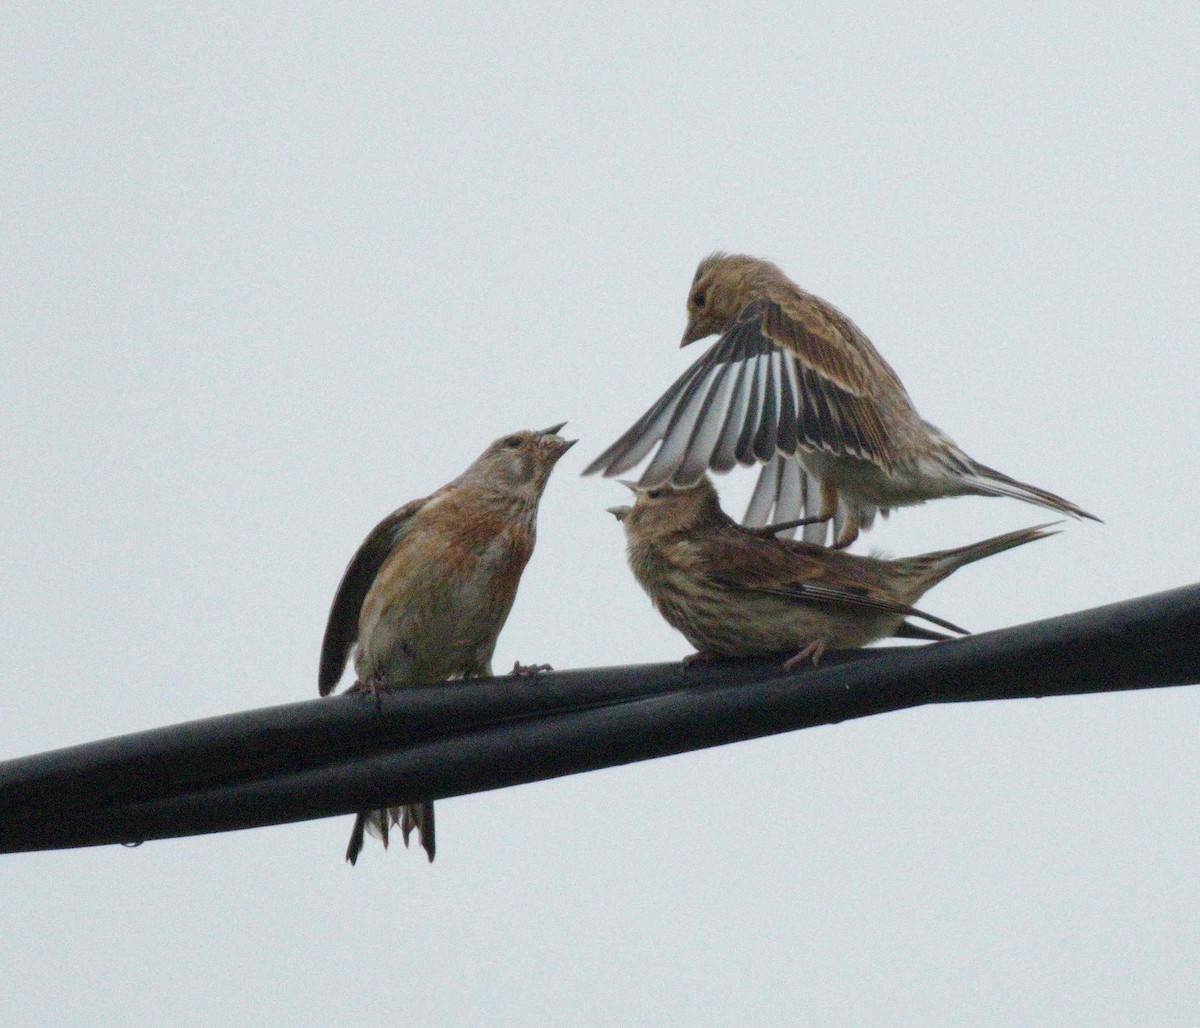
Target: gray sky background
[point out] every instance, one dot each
(272, 270)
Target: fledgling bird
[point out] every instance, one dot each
(737, 592)
(428, 591)
(795, 385)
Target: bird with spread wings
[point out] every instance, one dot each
(794, 385)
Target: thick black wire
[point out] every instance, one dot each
(335, 756)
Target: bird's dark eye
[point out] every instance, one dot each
(654, 494)
(698, 298)
(512, 442)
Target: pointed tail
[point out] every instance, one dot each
(991, 482)
(379, 822)
(930, 568)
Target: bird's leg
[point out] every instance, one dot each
(849, 530)
(845, 539)
(813, 650)
(520, 670)
(373, 687)
(828, 508)
(782, 526)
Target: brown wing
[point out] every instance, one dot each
(806, 574)
(341, 630)
(839, 376)
(791, 373)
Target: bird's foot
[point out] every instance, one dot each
(813, 651)
(374, 688)
(699, 657)
(520, 670)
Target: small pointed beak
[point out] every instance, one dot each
(549, 438)
(631, 486)
(620, 513)
(559, 446)
(691, 334)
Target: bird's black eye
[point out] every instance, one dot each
(698, 298)
(512, 442)
(654, 494)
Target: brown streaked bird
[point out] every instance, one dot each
(795, 385)
(738, 592)
(427, 593)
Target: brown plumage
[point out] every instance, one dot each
(734, 592)
(795, 385)
(428, 591)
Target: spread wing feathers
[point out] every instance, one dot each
(341, 630)
(785, 492)
(652, 426)
(835, 375)
(782, 378)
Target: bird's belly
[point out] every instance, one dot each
(437, 629)
(909, 483)
(730, 624)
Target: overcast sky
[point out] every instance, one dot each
(271, 270)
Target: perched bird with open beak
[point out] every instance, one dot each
(737, 592)
(795, 385)
(427, 593)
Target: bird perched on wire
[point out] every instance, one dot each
(795, 385)
(737, 592)
(427, 593)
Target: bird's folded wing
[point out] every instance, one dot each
(342, 627)
(805, 592)
(786, 376)
(748, 564)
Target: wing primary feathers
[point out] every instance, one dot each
(341, 630)
(745, 443)
(689, 409)
(829, 432)
(725, 455)
(707, 433)
(765, 491)
(768, 424)
(652, 426)
(789, 499)
(788, 437)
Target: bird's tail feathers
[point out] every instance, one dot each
(931, 568)
(995, 483)
(908, 630)
(380, 822)
(420, 817)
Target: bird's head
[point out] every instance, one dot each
(724, 283)
(664, 510)
(520, 463)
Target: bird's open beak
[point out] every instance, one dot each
(620, 513)
(548, 437)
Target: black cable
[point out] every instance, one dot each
(335, 756)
